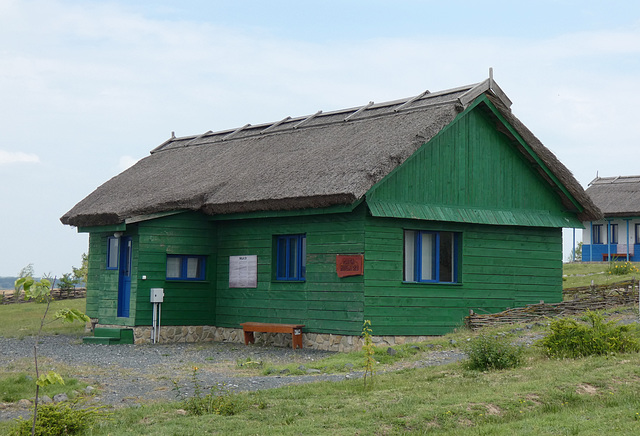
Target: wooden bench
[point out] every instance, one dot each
(295, 329)
(605, 256)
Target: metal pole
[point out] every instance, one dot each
(591, 241)
(153, 324)
(159, 316)
(627, 240)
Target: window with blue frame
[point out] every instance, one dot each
(113, 244)
(291, 257)
(596, 234)
(431, 256)
(613, 235)
(183, 267)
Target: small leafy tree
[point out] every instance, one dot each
(24, 273)
(576, 253)
(369, 351)
(41, 289)
(66, 284)
(80, 274)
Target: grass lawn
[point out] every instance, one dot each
(590, 396)
(581, 274)
(20, 320)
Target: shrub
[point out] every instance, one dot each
(60, 419)
(489, 353)
(621, 269)
(570, 338)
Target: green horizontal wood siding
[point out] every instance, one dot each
(500, 267)
(185, 302)
(102, 284)
(323, 302)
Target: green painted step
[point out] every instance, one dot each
(100, 340)
(107, 336)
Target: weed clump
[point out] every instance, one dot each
(488, 353)
(216, 402)
(571, 339)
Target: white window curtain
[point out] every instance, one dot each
(427, 253)
(173, 267)
(409, 255)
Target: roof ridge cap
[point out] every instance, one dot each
(403, 104)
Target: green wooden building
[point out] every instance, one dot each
(408, 213)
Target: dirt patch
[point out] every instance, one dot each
(586, 389)
(492, 409)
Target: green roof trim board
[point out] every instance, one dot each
(457, 214)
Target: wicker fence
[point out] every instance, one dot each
(6, 297)
(594, 297)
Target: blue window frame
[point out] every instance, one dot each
(112, 252)
(431, 256)
(291, 257)
(596, 234)
(185, 267)
(613, 233)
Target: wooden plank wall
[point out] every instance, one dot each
(102, 284)
(470, 164)
(324, 302)
(185, 302)
(500, 267)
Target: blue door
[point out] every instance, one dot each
(124, 283)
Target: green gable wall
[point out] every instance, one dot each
(324, 302)
(501, 267)
(469, 172)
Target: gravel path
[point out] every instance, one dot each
(129, 374)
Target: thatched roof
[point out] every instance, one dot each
(316, 161)
(616, 196)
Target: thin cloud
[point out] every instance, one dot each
(13, 157)
(126, 161)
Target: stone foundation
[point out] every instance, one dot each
(317, 341)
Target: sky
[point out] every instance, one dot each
(87, 88)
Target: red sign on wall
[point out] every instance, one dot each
(349, 265)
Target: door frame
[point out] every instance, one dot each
(124, 276)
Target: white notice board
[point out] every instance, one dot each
(243, 271)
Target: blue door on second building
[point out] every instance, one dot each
(124, 283)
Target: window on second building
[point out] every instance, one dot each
(291, 254)
(637, 233)
(613, 235)
(431, 256)
(184, 267)
(112, 252)
(596, 234)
